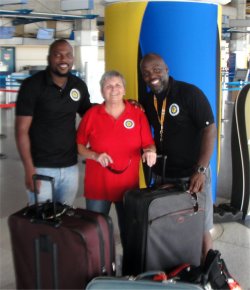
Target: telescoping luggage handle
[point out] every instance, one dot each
(150, 171)
(51, 180)
(180, 184)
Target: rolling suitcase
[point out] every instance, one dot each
(66, 252)
(164, 228)
(212, 275)
(143, 281)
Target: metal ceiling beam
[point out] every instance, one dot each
(22, 21)
(24, 13)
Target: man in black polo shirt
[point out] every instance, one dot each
(184, 131)
(45, 124)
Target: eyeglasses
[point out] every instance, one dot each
(118, 171)
(195, 199)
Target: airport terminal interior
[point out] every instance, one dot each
(27, 27)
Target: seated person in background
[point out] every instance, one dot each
(111, 136)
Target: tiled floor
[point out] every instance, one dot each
(231, 239)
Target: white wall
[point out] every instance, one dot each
(37, 55)
(30, 55)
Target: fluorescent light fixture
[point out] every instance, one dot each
(10, 2)
(77, 5)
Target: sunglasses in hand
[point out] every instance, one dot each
(118, 171)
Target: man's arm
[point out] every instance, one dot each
(22, 126)
(207, 146)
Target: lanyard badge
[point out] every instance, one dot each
(162, 116)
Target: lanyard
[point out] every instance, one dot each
(160, 118)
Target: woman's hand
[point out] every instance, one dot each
(104, 159)
(149, 156)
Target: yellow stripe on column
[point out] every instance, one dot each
(122, 31)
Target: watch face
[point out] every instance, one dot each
(202, 169)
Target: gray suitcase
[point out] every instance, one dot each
(164, 227)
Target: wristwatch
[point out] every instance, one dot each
(202, 169)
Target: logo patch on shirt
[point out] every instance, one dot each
(174, 110)
(129, 124)
(75, 95)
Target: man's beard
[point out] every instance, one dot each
(157, 90)
(163, 86)
(59, 74)
(56, 72)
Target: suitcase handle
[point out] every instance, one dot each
(156, 275)
(150, 171)
(51, 180)
(183, 187)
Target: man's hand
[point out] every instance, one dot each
(136, 104)
(29, 179)
(197, 182)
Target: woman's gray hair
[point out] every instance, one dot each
(110, 74)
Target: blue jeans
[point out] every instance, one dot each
(66, 185)
(103, 206)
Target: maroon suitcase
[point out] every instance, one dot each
(61, 253)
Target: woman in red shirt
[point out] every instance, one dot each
(113, 137)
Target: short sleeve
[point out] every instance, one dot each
(85, 104)
(84, 129)
(26, 99)
(200, 109)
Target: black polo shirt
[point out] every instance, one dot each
(187, 112)
(53, 128)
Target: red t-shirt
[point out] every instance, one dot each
(122, 139)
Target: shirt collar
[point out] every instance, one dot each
(127, 107)
(49, 79)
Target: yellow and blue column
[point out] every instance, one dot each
(185, 34)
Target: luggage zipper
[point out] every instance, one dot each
(185, 212)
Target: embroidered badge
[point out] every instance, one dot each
(75, 95)
(174, 110)
(129, 124)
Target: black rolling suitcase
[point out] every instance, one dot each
(164, 228)
(65, 252)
